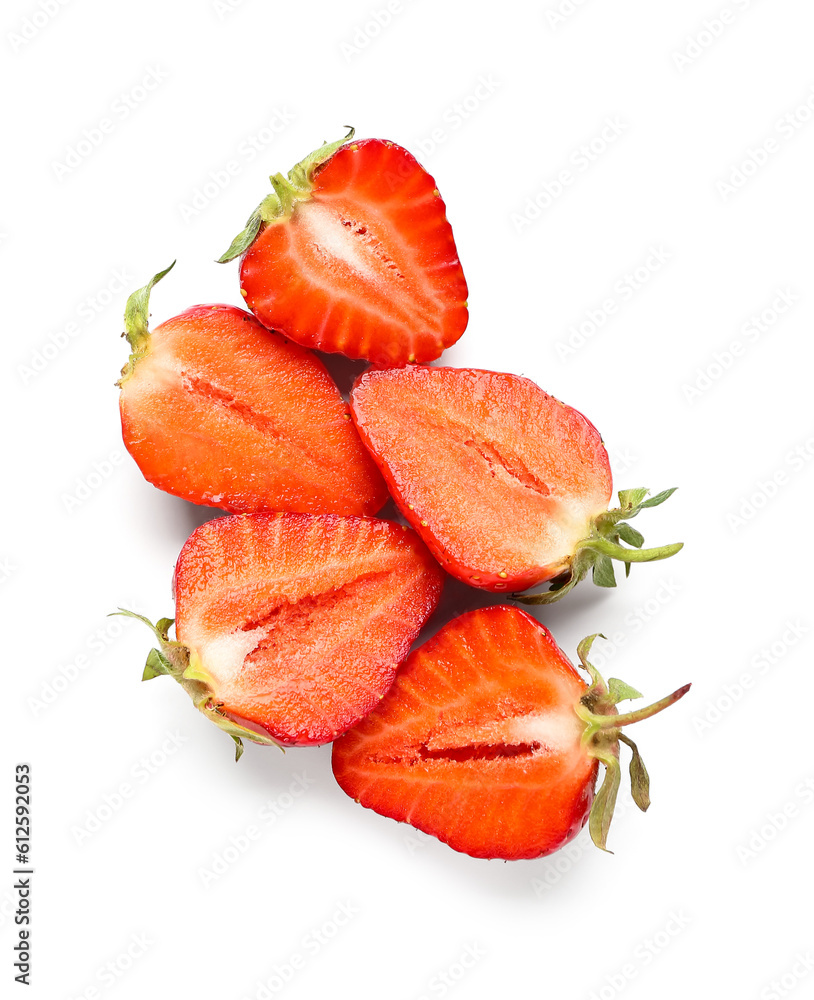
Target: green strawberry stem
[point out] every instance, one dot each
(136, 322)
(176, 660)
(278, 205)
(596, 552)
(601, 738)
(614, 551)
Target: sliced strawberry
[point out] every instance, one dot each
(353, 253)
(489, 740)
(220, 411)
(508, 486)
(290, 627)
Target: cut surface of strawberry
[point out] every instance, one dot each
(508, 486)
(352, 253)
(290, 627)
(490, 740)
(220, 411)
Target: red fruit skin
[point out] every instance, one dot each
(301, 620)
(367, 266)
(222, 412)
(430, 753)
(500, 479)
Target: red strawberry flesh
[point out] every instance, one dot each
(500, 479)
(220, 411)
(365, 264)
(299, 622)
(477, 741)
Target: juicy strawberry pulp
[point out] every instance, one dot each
(366, 265)
(298, 622)
(477, 741)
(501, 480)
(221, 411)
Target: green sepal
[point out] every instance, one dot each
(602, 736)
(629, 499)
(156, 665)
(302, 173)
(620, 691)
(602, 573)
(160, 630)
(244, 239)
(603, 544)
(639, 778)
(657, 499)
(630, 535)
(584, 651)
(176, 660)
(214, 712)
(136, 322)
(604, 803)
(286, 192)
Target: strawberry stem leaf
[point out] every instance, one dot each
(214, 712)
(595, 553)
(156, 665)
(584, 651)
(160, 629)
(244, 239)
(639, 778)
(136, 319)
(620, 691)
(601, 738)
(604, 802)
(630, 535)
(302, 173)
(278, 205)
(178, 661)
(603, 574)
(657, 499)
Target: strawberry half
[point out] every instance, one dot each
(220, 411)
(490, 740)
(508, 486)
(352, 253)
(290, 627)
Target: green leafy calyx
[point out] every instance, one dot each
(610, 538)
(136, 323)
(178, 661)
(603, 724)
(278, 205)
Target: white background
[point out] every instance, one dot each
(706, 895)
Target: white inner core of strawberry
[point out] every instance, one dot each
(225, 653)
(556, 733)
(330, 237)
